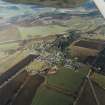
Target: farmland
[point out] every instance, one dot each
(11, 61)
(61, 86)
(100, 79)
(46, 96)
(9, 33)
(40, 31)
(55, 3)
(91, 44)
(64, 75)
(87, 97)
(9, 46)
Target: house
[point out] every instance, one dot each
(52, 70)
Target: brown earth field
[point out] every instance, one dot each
(86, 48)
(27, 92)
(100, 93)
(91, 44)
(87, 97)
(9, 89)
(82, 53)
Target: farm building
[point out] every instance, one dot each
(86, 48)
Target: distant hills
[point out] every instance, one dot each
(53, 3)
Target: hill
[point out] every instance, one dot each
(55, 3)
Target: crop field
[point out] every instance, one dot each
(87, 97)
(83, 24)
(11, 61)
(63, 86)
(91, 44)
(9, 46)
(68, 79)
(100, 79)
(100, 92)
(41, 31)
(24, 97)
(98, 37)
(46, 96)
(9, 34)
(9, 89)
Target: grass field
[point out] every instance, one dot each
(67, 79)
(41, 31)
(100, 79)
(45, 96)
(9, 46)
(11, 61)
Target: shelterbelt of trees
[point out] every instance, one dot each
(53, 3)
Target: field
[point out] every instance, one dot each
(67, 79)
(41, 31)
(83, 24)
(24, 97)
(100, 92)
(55, 3)
(98, 37)
(87, 97)
(60, 88)
(9, 33)
(7, 50)
(91, 44)
(9, 46)
(45, 96)
(100, 79)
(11, 60)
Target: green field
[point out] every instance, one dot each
(12, 60)
(100, 79)
(41, 31)
(67, 80)
(45, 96)
(9, 46)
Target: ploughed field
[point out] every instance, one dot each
(20, 89)
(87, 97)
(97, 45)
(17, 86)
(16, 68)
(26, 93)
